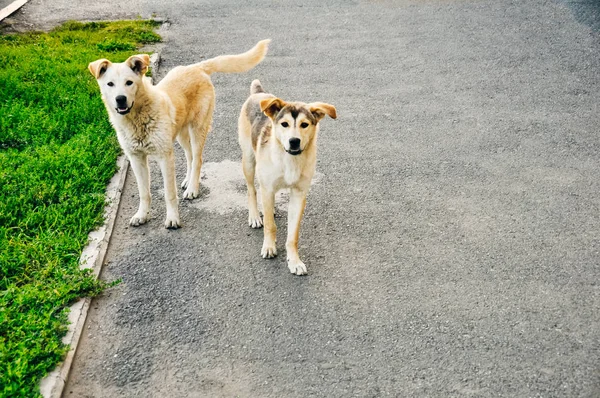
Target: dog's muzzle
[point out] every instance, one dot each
(124, 111)
(295, 148)
(294, 151)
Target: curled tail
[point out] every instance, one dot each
(237, 63)
(256, 87)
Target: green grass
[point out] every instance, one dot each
(57, 154)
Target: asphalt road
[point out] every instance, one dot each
(452, 237)
(5, 3)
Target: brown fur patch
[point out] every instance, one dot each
(256, 118)
(265, 135)
(261, 128)
(295, 110)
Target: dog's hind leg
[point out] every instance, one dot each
(295, 213)
(198, 130)
(197, 138)
(249, 166)
(184, 140)
(139, 164)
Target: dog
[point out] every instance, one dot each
(279, 145)
(149, 118)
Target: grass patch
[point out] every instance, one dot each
(57, 154)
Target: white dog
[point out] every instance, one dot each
(279, 144)
(149, 118)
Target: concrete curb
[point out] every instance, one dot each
(12, 7)
(93, 255)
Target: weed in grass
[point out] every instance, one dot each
(57, 153)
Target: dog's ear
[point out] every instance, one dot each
(271, 106)
(139, 63)
(320, 109)
(97, 68)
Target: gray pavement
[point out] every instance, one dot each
(452, 236)
(5, 3)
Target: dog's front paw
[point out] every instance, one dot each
(268, 250)
(297, 267)
(184, 184)
(139, 219)
(255, 222)
(172, 223)
(191, 193)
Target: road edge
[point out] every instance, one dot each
(92, 257)
(11, 8)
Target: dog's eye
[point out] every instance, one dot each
(284, 124)
(304, 125)
(110, 84)
(128, 82)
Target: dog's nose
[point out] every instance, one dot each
(121, 100)
(294, 143)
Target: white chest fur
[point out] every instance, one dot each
(292, 170)
(286, 171)
(142, 137)
(131, 143)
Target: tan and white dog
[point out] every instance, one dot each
(279, 145)
(149, 118)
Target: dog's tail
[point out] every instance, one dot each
(237, 63)
(256, 87)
